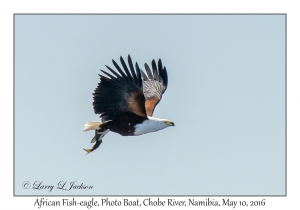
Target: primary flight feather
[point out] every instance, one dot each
(125, 100)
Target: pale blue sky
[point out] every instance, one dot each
(226, 95)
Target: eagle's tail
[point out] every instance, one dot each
(92, 126)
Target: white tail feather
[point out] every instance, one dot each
(92, 126)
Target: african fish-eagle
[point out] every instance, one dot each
(126, 100)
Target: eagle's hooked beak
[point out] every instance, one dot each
(172, 124)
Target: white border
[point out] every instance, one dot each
(8, 8)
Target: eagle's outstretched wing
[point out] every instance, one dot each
(120, 93)
(154, 85)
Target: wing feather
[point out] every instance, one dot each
(119, 69)
(108, 74)
(154, 85)
(125, 67)
(154, 69)
(112, 71)
(150, 76)
(138, 74)
(117, 94)
(132, 68)
(144, 76)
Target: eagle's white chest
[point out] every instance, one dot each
(148, 126)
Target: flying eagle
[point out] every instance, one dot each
(126, 100)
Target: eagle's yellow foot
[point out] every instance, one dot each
(88, 150)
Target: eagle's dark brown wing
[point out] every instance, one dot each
(120, 93)
(154, 85)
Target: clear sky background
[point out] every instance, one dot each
(226, 95)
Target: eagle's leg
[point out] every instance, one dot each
(98, 142)
(99, 134)
(98, 139)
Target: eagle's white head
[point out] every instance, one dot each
(152, 125)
